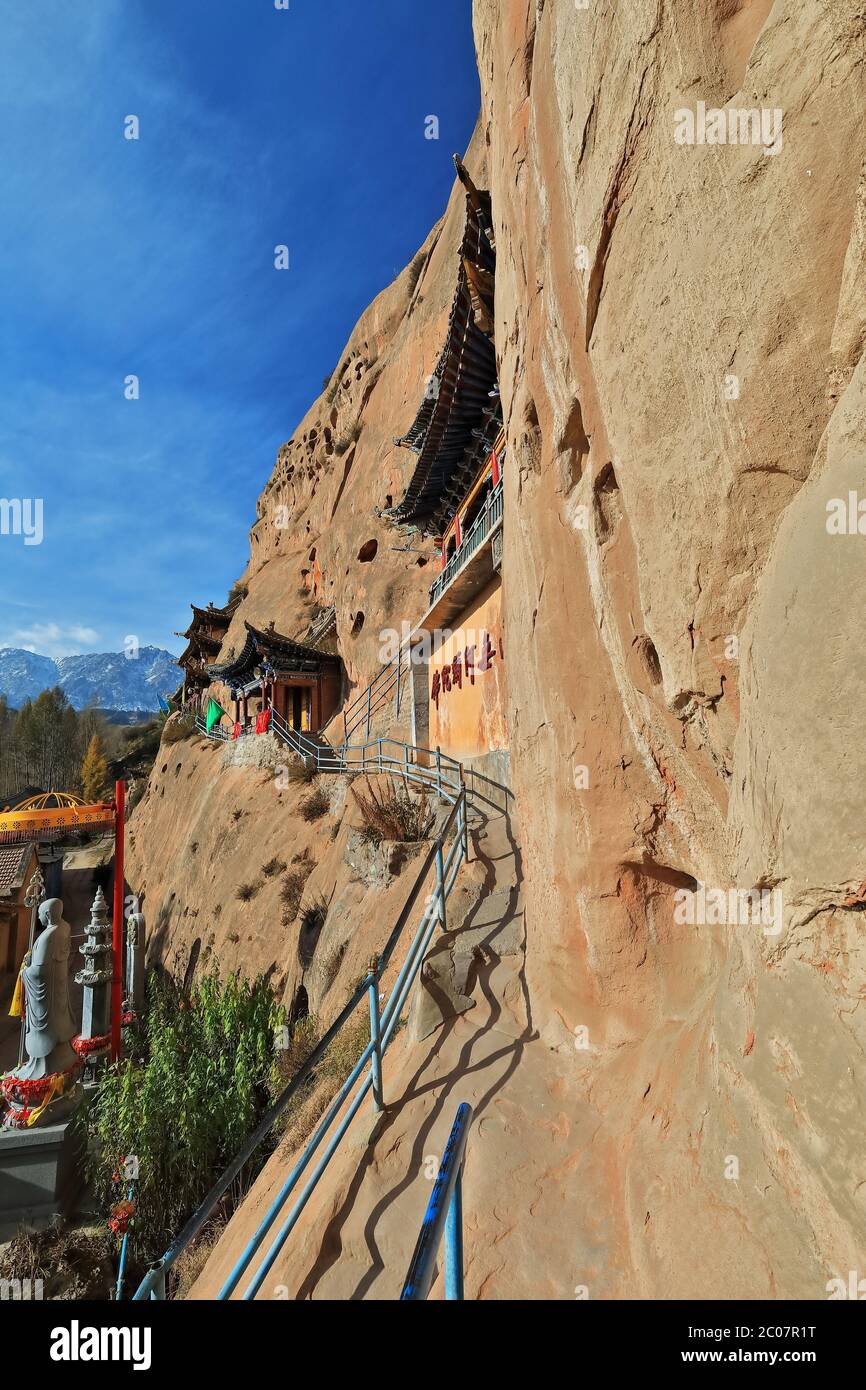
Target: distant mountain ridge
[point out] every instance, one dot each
(109, 679)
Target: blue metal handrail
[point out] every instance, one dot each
(124, 1250)
(382, 1028)
(444, 1213)
(362, 709)
(445, 776)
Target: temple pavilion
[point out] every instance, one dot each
(455, 494)
(204, 638)
(302, 684)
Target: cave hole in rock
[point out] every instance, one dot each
(608, 503)
(651, 871)
(312, 921)
(369, 550)
(532, 442)
(357, 624)
(189, 973)
(649, 659)
(300, 1007)
(422, 561)
(573, 448)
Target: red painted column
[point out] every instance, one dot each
(117, 920)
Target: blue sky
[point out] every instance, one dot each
(155, 258)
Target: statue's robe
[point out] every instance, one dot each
(49, 1020)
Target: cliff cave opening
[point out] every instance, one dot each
(300, 1007)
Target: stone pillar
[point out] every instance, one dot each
(418, 694)
(93, 1043)
(136, 942)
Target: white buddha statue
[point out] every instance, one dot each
(49, 1023)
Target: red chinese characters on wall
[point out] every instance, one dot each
(466, 666)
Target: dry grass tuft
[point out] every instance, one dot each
(316, 805)
(293, 886)
(299, 770)
(393, 813)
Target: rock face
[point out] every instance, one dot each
(684, 394)
(681, 331)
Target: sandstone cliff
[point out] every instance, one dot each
(676, 1111)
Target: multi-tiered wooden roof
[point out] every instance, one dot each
(461, 415)
(204, 637)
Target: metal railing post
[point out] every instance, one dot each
(440, 886)
(399, 672)
(369, 708)
(444, 1215)
(438, 770)
(376, 1040)
(124, 1250)
(380, 755)
(454, 1242)
(464, 818)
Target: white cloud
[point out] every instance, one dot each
(50, 639)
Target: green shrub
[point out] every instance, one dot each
(197, 1080)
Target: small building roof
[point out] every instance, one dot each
(209, 617)
(14, 865)
(270, 648)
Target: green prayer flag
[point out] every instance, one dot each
(215, 713)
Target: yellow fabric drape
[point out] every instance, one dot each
(16, 1008)
(57, 1088)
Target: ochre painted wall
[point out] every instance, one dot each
(467, 698)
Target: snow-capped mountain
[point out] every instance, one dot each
(111, 680)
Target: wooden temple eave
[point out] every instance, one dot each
(461, 415)
(210, 624)
(273, 655)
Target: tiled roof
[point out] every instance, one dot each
(273, 649)
(14, 863)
